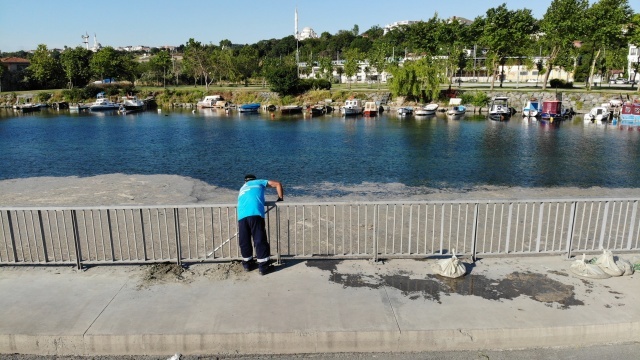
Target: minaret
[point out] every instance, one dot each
(296, 29)
(85, 40)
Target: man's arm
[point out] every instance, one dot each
(278, 186)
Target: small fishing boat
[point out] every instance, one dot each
(102, 103)
(249, 108)
(456, 109)
(427, 110)
(209, 101)
(531, 109)
(370, 108)
(499, 109)
(598, 113)
(351, 107)
(291, 109)
(318, 110)
(405, 111)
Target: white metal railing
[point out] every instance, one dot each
(198, 233)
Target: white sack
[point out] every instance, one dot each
(451, 267)
(581, 268)
(608, 265)
(625, 266)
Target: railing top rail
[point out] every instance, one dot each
(318, 203)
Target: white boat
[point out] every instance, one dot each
(499, 109)
(457, 108)
(370, 108)
(209, 101)
(102, 104)
(531, 109)
(351, 107)
(132, 103)
(427, 110)
(405, 111)
(598, 113)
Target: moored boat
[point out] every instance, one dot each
(499, 109)
(249, 108)
(598, 113)
(102, 103)
(209, 101)
(351, 107)
(457, 109)
(630, 113)
(132, 103)
(426, 110)
(370, 108)
(405, 111)
(531, 109)
(551, 110)
(318, 110)
(291, 109)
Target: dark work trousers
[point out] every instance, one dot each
(253, 226)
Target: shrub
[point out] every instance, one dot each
(560, 84)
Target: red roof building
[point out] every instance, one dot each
(14, 63)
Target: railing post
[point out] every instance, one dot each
(540, 215)
(632, 224)
(44, 242)
(278, 259)
(604, 224)
(508, 236)
(13, 237)
(474, 233)
(76, 238)
(176, 218)
(144, 240)
(572, 218)
(375, 233)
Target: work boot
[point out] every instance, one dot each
(265, 267)
(248, 265)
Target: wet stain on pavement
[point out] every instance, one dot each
(538, 287)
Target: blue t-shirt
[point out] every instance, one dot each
(251, 198)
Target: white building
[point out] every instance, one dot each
(633, 59)
(307, 33)
(396, 24)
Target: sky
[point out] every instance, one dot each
(25, 24)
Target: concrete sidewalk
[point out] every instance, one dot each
(312, 307)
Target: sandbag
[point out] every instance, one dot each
(451, 267)
(625, 266)
(582, 268)
(608, 264)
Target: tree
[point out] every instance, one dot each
(504, 33)
(378, 57)
(326, 68)
(160, 63)
(75, 64)
(353, 57)
(356, 30)
(105, 63)
(282, 76)
(247, 63)
(562, 24)
(42, 65)
(607, 20)
(197, 61)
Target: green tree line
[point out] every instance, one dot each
(581, 38)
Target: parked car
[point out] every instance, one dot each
(622, 81)
(612, 81)
(472, 80)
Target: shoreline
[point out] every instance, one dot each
(124, 189)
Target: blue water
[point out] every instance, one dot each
(219, 149)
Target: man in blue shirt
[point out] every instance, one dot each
(251, 214)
